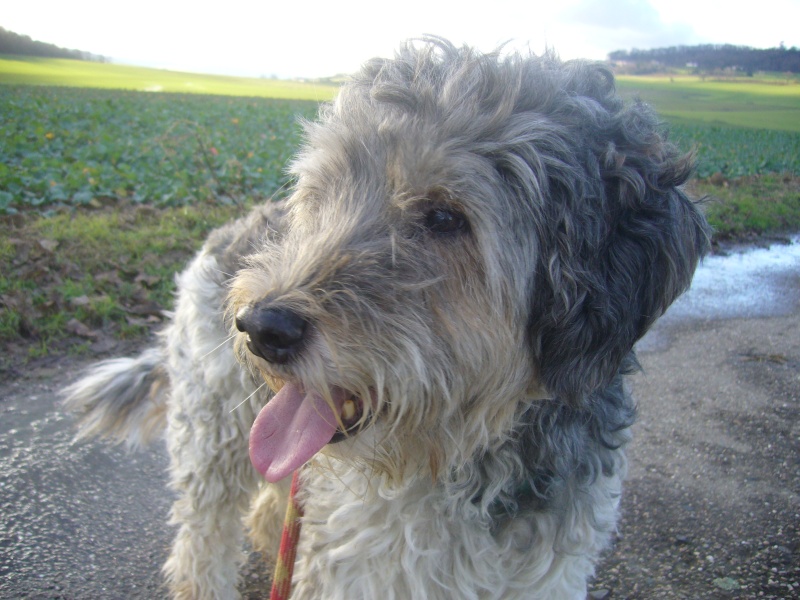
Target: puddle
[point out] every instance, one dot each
(745, 283)
(756, 282)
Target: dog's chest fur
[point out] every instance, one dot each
(360, 539)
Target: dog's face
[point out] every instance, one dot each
(467, 235)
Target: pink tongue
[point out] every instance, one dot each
(290, 429)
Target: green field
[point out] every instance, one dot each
(738, 127)
(27, 70)
(74, 145)
(766, 103)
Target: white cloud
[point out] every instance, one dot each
(625, 24)
(614, 14)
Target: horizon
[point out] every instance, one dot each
(242, 40)
(93, 57)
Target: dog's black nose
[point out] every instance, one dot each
(274, 334)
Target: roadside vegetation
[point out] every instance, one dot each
(746, 209)
(75, 280)
(105, 193)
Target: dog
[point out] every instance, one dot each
(434, 328)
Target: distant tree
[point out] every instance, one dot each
(23, 45)
(716, 57)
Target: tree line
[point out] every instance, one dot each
(715, 57)
(23, 45)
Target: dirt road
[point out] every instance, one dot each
(711, 508)
(712, 504)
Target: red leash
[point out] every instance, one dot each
(282, 579)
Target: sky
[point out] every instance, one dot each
(312, 38)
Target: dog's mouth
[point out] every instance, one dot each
(297, 424)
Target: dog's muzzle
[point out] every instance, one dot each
(297, 422)
(275, 334)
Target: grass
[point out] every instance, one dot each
(757, 104)
(26, 70)
(107, 192)
(750, 206)
(95, 273)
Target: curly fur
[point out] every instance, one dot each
(489, 358)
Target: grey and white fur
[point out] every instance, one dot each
(471, 248)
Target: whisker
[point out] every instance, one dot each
(225, 341)
(228, 275)
(248, 398)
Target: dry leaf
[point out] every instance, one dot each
(75, 327)
(48, 245)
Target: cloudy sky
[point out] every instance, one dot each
(312, 38)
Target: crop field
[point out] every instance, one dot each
(74, 146)
(737, 152)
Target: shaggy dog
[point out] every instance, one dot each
(445, 308)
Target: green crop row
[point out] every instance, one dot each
(738, 152)
(70, 146)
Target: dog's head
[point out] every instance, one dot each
(467, 233)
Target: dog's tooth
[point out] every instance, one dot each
(348, 409)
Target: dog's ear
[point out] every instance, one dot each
(617, 249)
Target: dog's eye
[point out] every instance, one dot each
(443, 220)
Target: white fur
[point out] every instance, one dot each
(361, 541)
